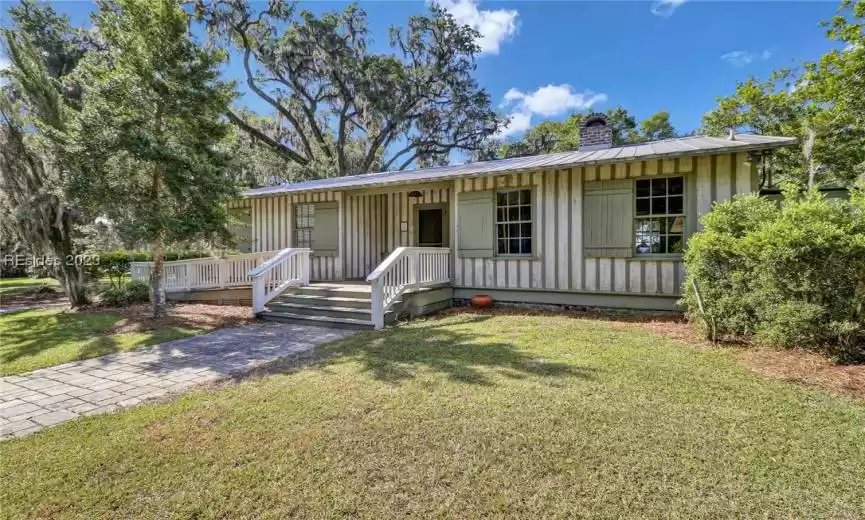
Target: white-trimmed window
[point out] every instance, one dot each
(659, 215)
(514, 222)
(304, 221)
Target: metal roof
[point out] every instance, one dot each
(667, 148)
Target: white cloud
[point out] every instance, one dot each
(742, 58)
(666, 8)
(547, 101)
(553, 100)
(517, 122)
(495, 26)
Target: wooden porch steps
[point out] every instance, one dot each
(326, 304)
(311, 319)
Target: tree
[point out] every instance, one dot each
(657, 127)
(149, 140)
(254, 165)
(545, 137)
(624, 126)
(564, 136)
(343, 110)
(34, 211)
(821, 104)
(836, 83)
(763, 108)
(36, 207)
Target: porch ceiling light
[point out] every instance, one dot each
(415, 194)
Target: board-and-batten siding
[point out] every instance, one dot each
(370, 227)
(374, 224)
(365, 241)
(273, 229)
(559, 264)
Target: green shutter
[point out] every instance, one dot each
(325, 230)
(608, 219)
(475, 226)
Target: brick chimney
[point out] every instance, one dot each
(595, 133)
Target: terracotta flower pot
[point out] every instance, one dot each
(482, 301)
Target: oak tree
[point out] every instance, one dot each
(36, 100)
(342, 109)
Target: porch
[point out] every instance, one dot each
(278, 286)
(352, 232)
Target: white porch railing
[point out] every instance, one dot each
(204, 273)
(407, 268)
(290, 267)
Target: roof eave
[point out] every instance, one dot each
(666, 155)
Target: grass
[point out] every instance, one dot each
(469, 416)
(16, 286)
(14, 282)
(41, 338)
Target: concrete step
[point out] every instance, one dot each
(320, 300)
(321, 321)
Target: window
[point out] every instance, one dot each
(660, 215)
(304, 219)
(514, 222)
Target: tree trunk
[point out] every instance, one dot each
(157, 290)
(72, 279)
(70, 273)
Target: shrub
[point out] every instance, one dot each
(788, 275)
(42, 289)
(125, 294)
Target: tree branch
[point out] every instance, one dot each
(341, 137)
(273, 144)
(394, 157)
(411, 159)
(247, 51)
(308, 111)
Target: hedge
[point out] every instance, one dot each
(785, 275)
(125, 293)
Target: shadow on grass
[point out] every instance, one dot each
(453, 348)
(29, 335)
(400, 354)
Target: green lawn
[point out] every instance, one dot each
(13, 282)
(41, 338)
(467, 416)
(15, 286)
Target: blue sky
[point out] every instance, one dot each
(543, 60)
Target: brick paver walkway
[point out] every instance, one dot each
(53, 395)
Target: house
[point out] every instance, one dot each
(602, 226)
